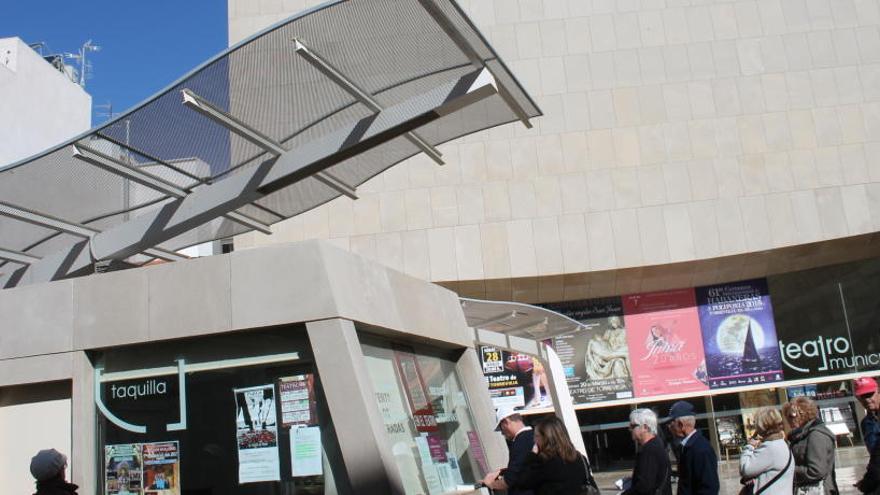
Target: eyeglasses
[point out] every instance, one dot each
(865, 397)
(633, 426)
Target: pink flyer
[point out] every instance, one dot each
(665, 343)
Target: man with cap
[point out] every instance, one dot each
(865, 390)
(520, 441)
(48, 467)
(697, 463)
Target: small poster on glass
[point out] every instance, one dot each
(257, 434)
(123, 469)
(161, 468)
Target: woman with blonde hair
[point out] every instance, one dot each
(766, 464)
(812, 445)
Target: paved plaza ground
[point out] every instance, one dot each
(851, 463)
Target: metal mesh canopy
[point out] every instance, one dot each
(336, 94)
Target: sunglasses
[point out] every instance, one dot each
(865, 397)
(633, 426)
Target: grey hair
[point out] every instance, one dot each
(644, 417)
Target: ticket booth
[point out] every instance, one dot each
(294, 369)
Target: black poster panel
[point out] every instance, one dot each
(815, 336)
(859, 287)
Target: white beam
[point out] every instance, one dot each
(269, 145)
(17, 257)
(361, 95)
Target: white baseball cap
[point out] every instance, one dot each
(503, 413)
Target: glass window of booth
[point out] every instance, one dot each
(252, 418)
(426, 416)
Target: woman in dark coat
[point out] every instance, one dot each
(812, 446)
(554, 466)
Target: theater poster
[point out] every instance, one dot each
(665, 345)
(739, 334)
(516, 380)
(161, 468)
(257, 434)
(123, 469)
(595, 357)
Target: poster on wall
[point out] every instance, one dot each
(123, 469)
(665, 345)
(595, 357)
(257, 434)
(739, 334)
(161, 468)
(297, 396)
(515, 380)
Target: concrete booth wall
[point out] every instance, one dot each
(249, 315)
(684, 143)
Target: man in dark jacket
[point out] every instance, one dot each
(865, 389)
(652, 470)
(48, 467)
(697, 463)
(520, 442)
(868, 395)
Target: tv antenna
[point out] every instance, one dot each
(85, 67)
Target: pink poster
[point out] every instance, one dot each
(665, 343)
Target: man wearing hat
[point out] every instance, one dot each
(48, 467)
(697, 464)
(866, 391)
(520, 441)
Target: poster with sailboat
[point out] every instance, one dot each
(739, 335)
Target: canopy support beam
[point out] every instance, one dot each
(360, 94)
(59, 225)
(273, 174)
(269, 145)
(17, 257)
(122, 169)
(476, 60)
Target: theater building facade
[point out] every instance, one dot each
(703, 186)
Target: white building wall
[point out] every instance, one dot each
(39, 106)
(675, 131)
(25, 429)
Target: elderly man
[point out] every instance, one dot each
(652, 470)
(866, 391)
(697, 463)
(520, 441)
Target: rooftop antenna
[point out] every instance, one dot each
(84, 66)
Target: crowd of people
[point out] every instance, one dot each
(791, 452)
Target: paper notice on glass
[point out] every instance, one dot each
(257, 434)
(432, 477)
(297, 395)
(456, 469)
(447, 479)
(305, 451)
(123, 473)
(161, 468)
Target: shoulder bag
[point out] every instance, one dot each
(589, 487)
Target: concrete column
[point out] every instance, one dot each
(352, 403)
(482, 411)
(84, 442)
